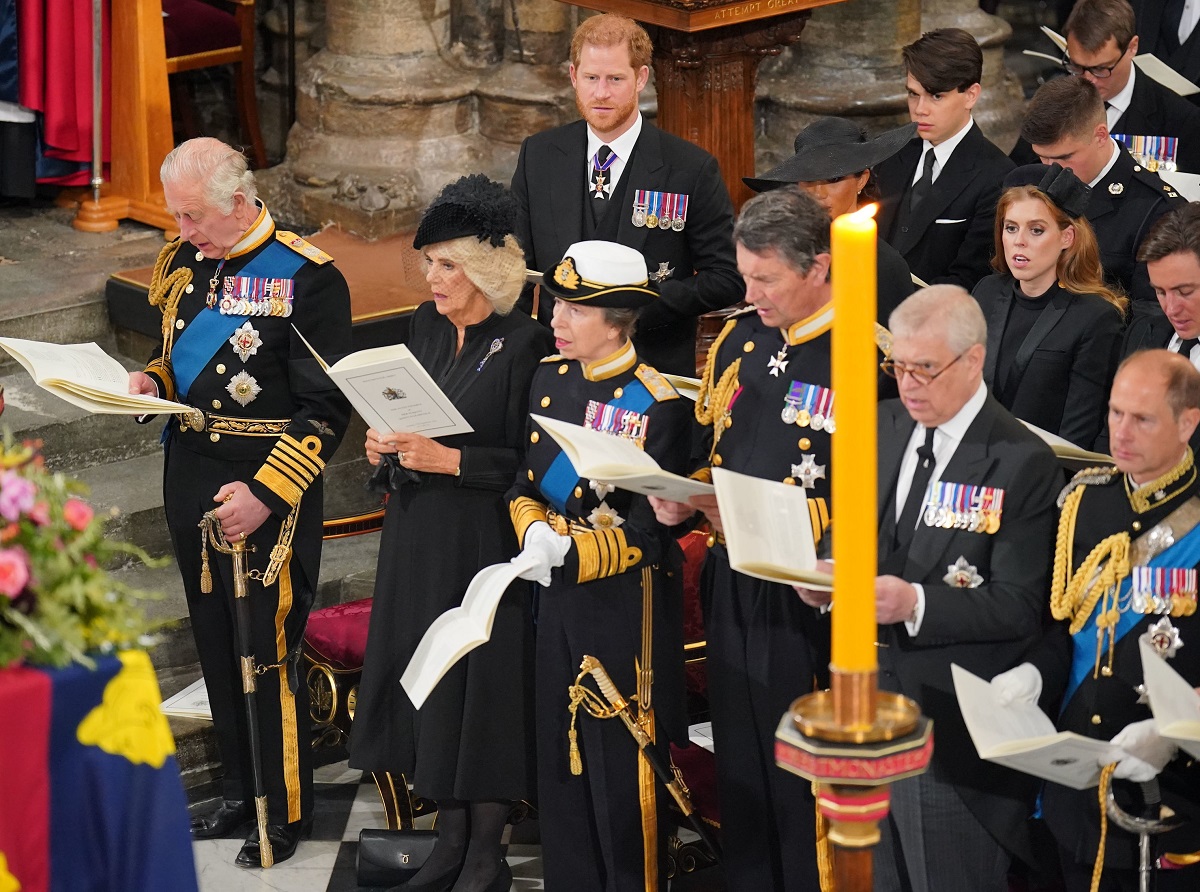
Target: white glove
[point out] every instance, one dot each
(546, 549)
(1143, 753)
(1021, 684)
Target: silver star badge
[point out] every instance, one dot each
(245, 341)
(808, 471)
(665, 271)
(778, 363)
(1165, 638)
(604, 517)
(243, 388)
(961, 574)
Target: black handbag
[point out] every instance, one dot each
(392, 857)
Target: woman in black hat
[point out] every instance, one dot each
(612, 574)
(1054, 327)
(469, 746)
(833, 162)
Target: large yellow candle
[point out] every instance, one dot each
(854, 458)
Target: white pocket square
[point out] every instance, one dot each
(947, 220)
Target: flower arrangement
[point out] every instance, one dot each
(58, 603)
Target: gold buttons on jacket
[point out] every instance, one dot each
(717, 460)
(533, 438)
(578, 492)
(1106, 671)
(617, 393)
(216, 404)
(199, 256)
(748, 347)
(531, 478)
(545, 401)
(805, 443)
(190, 288)
(214, 437)
(1096, 720)
(790, 481)
(1137, 525)
(562, 369)
(179, 323)
(220, 368)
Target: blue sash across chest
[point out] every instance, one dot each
(560, 479)
(210, 329)
(1184, 553)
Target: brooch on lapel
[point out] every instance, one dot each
(665, 271)
(808, 471)
(496, 346)
(960, 574)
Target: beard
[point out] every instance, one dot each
(608, 121)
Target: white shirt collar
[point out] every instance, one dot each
(1118, 105)
(942, 151)
(1116, 153)
(956, 428)
(622, 145)
(1188, 19)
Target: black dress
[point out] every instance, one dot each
(472, 739)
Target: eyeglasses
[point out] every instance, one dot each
(1097, 71)
(894, 369)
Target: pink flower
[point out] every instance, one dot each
(40, 514)
(16, 495)
(14, 571)
(77, 513)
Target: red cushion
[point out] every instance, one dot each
(699, 769)
(695, 549)
(339, 633)
(193, 26)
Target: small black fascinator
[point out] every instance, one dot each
(472, 205)
(1060, 185)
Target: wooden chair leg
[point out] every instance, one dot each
(185, 108)
(247, 100)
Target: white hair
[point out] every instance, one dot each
(947, 309)
(219, 168)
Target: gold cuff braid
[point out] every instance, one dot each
(604, 553)
(525, 512)
(291, 467)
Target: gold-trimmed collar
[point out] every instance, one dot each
(261, 230)
(613, 364)
(1168, 486)
(807, 329)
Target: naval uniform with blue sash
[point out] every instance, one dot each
(591, 823)
(1102, 507)
(266, 415)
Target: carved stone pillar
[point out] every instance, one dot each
(1002, 103)
(847, 64)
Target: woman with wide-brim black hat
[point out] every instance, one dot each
(832, 162)
(470, 746)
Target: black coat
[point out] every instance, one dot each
(1065, 365)
(987, 629)
(549, 187)
(950, 238)
(1151, 39)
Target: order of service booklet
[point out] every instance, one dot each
(1021, 736)
(1064, 448)
(459, 630)
(392, 392)
(190, 703)
(84, 376)
(1174, 702)
(617, 461)
(768, 529)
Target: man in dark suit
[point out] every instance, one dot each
(616, 177)
(1065, 123)
(966, 516)
(1090, 659)
(1101, 44)
(940, 190)
(1164, 31)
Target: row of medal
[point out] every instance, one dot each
(610, 419)
(662, 210)
(963, 506)
(809, 405)
(1163, 590)
(1154, 152)
(249, 296)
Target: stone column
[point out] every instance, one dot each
(1002, 103)
(847, 63)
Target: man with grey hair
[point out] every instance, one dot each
(766, 408)
(233, 292)
(966, 526)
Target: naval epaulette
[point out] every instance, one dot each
(660, 388)
(1154, 181)
(300, 246)
(1097, 476)
(553, 357)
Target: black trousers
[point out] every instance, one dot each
(278, 616)
(591, 824)
(759, 659)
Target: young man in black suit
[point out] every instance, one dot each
(1167, 28)
(966, 519)
(940, 191)
(616, 177)
(1065, 123)
(1101, 44)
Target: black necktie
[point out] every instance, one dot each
(906, 525)
(600, 165)
(1185, 347)
(922, 187)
